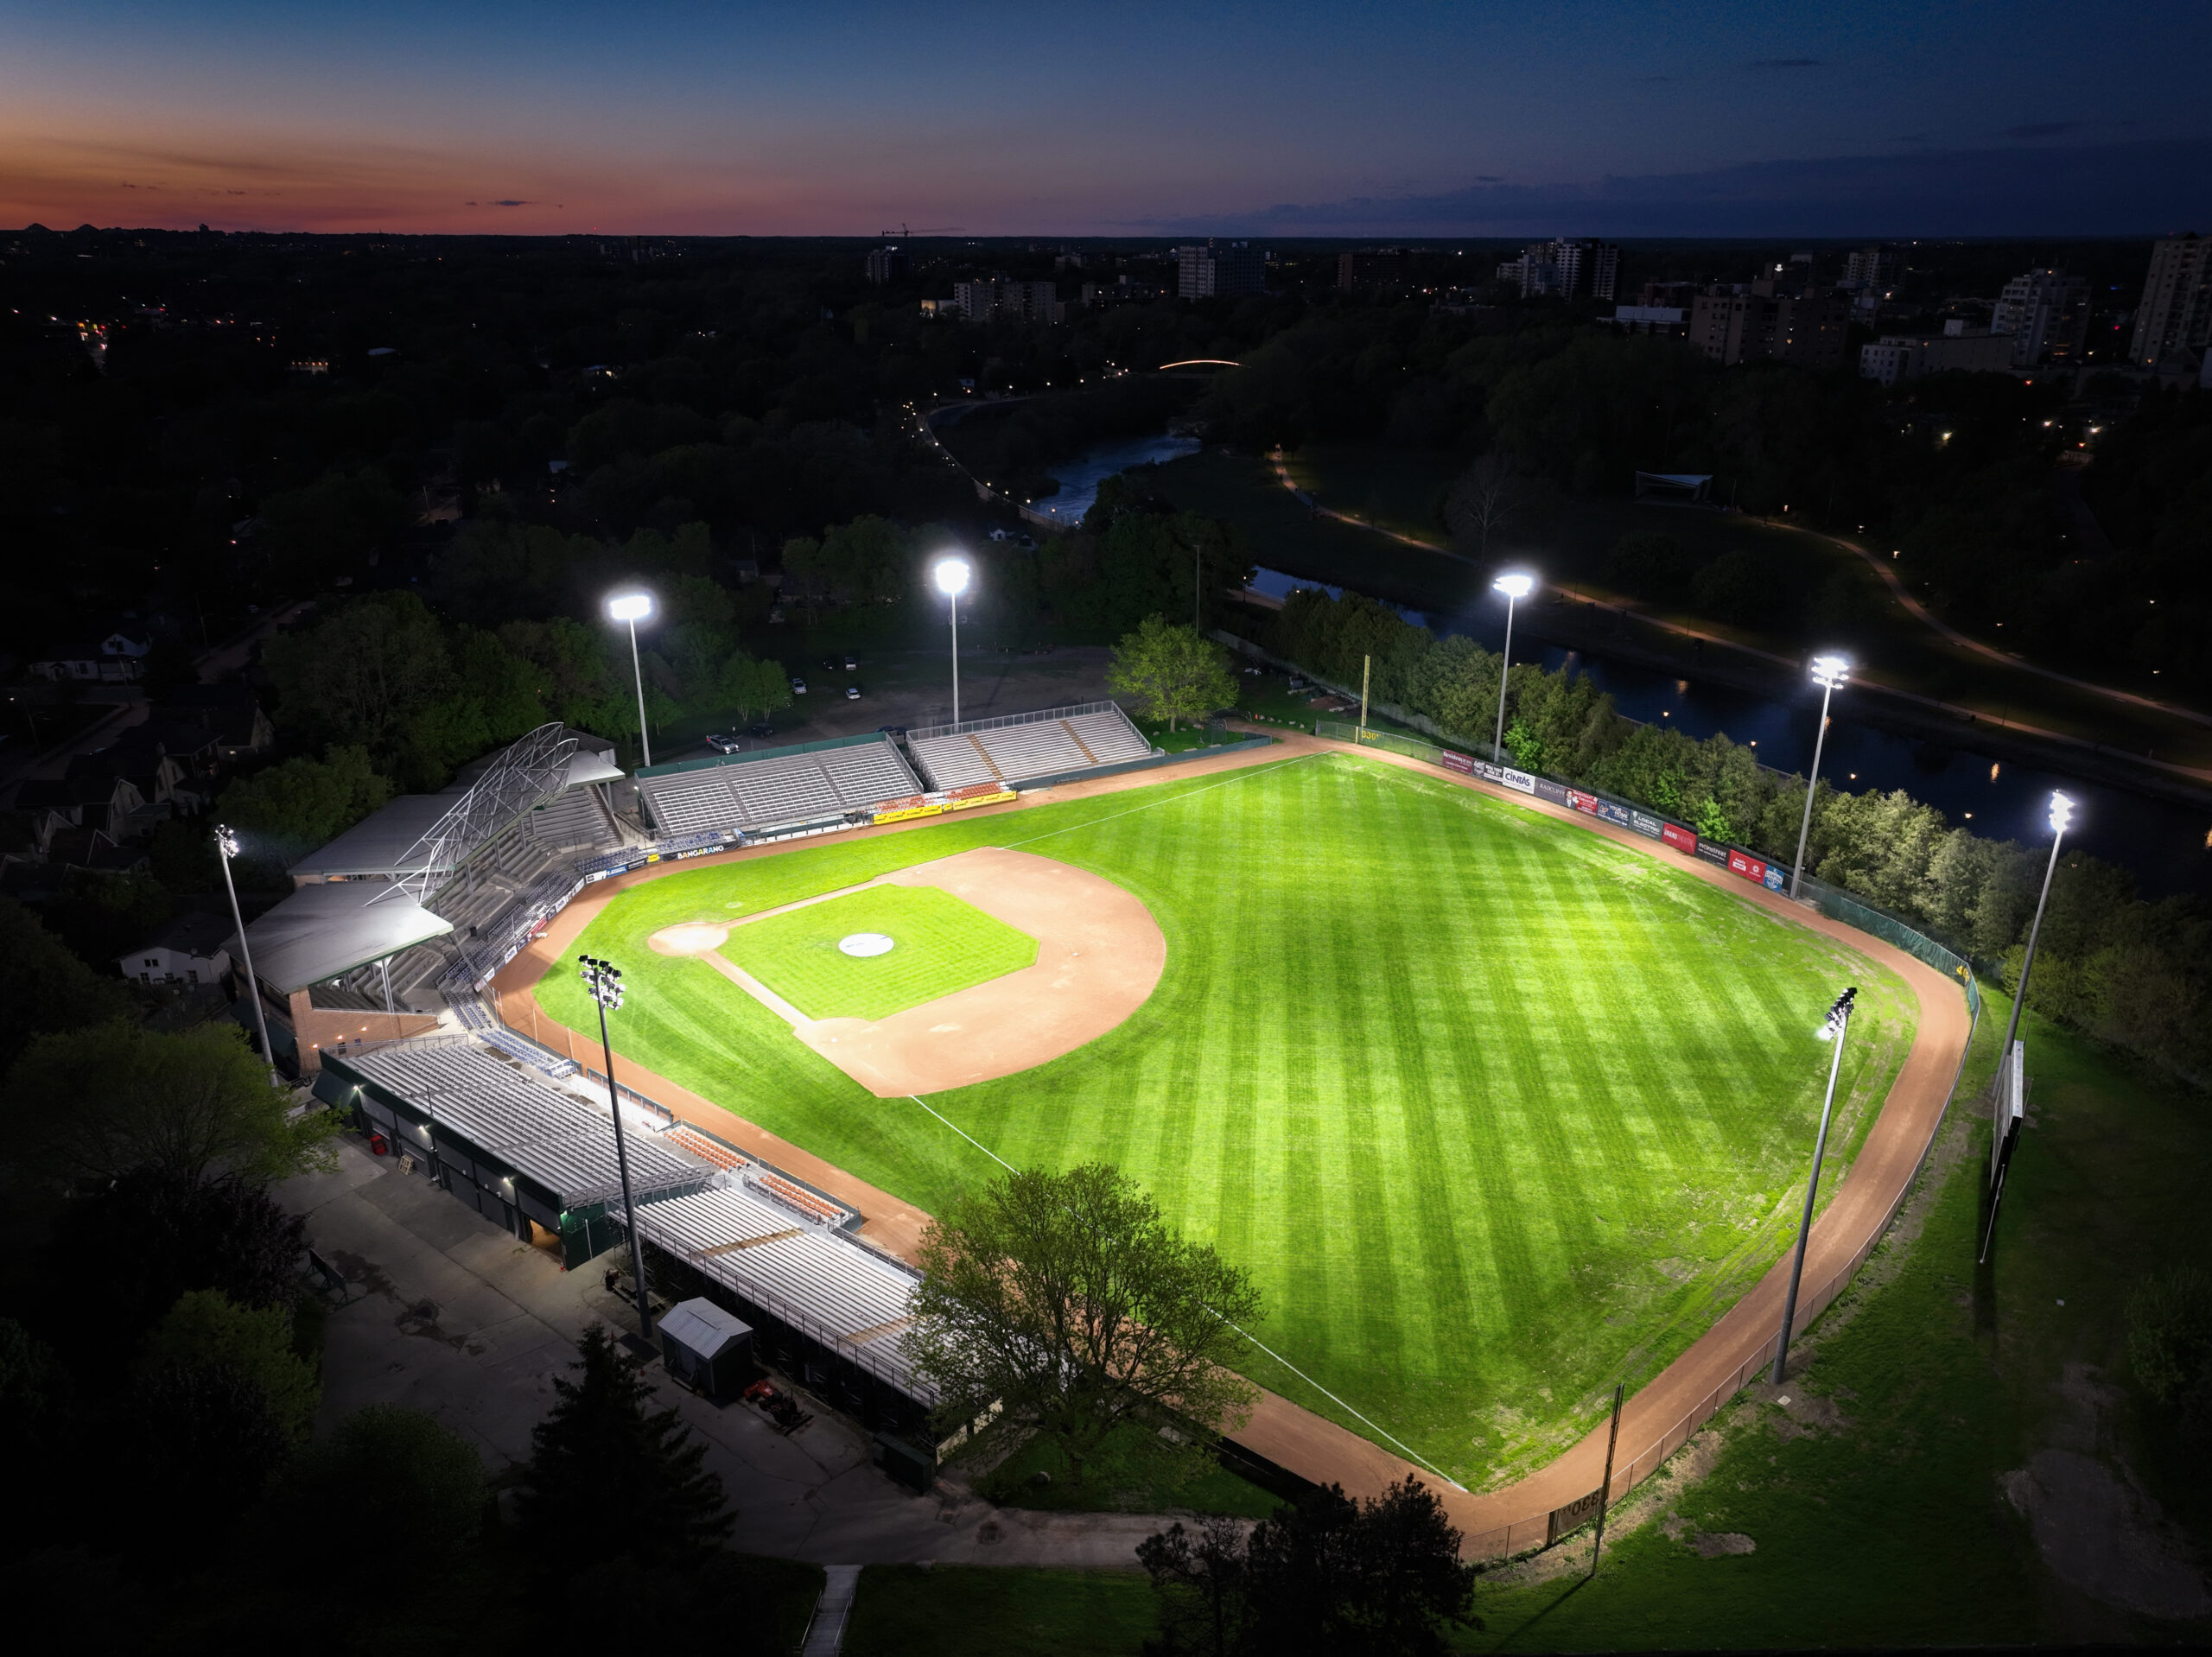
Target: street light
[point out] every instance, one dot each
(951, 575)
(603, 983)
(2062, 817)
(1839, 1021)
(1828, 672)
(1516, 586)
(634, 607)
(226, 845)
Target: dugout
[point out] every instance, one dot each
(707, 1351)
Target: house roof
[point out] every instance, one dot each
(325, 931)
(197, 933)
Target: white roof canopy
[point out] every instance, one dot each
(325, 931)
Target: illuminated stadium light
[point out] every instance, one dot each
(2062, 815)
(2061, 818)
(226, 844)
(603, 983)
(951, 575)
(633, 608)
(1517, 585)
(1832, 1030)
(1829, 672)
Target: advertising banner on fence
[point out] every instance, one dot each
(1618, 813)
(1682, 839)
(1459, 762)
(1506, 777)
(1644, 823)
(1712, 851)
(1582, 802)
(1776, 877)
(1744, 864)
(1547, 790)
(1564, 1520)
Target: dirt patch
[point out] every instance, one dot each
(2102, 1534)
(689, 938)
(1716, 1545)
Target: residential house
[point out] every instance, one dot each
(188, 950)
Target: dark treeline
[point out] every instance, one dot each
(2108, 962)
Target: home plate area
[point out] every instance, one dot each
(1069, 957)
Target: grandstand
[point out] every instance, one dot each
(775, 788)
(1024, 747)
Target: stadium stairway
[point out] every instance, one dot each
(825, 1632)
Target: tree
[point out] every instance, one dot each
(2170, 1338)
(1483, 498)
(1174, 671)
(195, 1439)
(294, 806)
(87, 1105)
(1324, 1575)
(207, 1329)
(388, 1477)
(358, 676)
(1066, 1299)
(43, 987)
(606, 1467)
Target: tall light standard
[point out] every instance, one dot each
(1516, 586)
(603, 983)
(951, 575)
(1838, 1020)
(1828, 672)
(2062, 815)
(634, 607)
(227, 847)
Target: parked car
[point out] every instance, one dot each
(762, 732)
(852, 693)
(798, 687)
(724, 744)
(894, 732)
(852, 664)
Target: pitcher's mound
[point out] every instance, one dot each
(865, 944)
(689, 938)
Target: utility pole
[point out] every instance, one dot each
(226, 847)
(1839, 1021)
(603, 982)
(1605, 1490)
(1366, 668)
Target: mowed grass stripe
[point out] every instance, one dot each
(1409, 1046)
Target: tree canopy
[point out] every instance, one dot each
(1174, 672)
(1066, 1299)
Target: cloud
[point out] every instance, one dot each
(2041, 130)
(510, 204)
(2116, 189)
(1785, 63)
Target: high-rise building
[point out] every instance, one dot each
(2047, 315)
(995, 299)
(1371, 268)
(1807, 328)
(885, 263)
(1218, 269)
(2173, 324)
(1566, 268)
(1875, 268)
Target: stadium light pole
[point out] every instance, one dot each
(1839, 1021)
(951, 575)
(1516, 586)
(226, 847)
(1828, 672)
(603, 983)
(634, 607)
(2062, 816)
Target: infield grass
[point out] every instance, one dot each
(1494, 1111)
(939, 944)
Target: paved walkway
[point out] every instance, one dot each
(825, 1635)
(447, 1313)
(1664, 1413)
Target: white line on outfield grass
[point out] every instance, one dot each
(1411, 1453)
(1149, 805)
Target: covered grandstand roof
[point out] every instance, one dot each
(375, 847)
(325, 931)
(589, 765)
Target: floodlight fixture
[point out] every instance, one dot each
(603, 983)
(1830, 671)
(951, 575)
(2061, 813)
(630, 607)
(1839, 1021)
(1516, 584)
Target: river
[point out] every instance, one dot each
(1079, 479)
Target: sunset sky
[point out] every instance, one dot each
(1116, 120)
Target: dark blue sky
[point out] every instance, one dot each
(1410, 120)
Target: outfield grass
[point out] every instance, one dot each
(1494, 1110)
(940, 944)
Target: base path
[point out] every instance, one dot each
(1658, 1420)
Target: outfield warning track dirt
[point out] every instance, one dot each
(1660, 1417)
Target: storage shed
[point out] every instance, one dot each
(706, 1348)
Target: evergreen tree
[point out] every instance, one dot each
(608, 1468)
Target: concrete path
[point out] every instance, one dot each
(447, 1313)
(825, 1635)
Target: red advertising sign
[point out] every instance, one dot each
(1750, 868)
(1582, 802)
(1452, 761)
(1682, 839)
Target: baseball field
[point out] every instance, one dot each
(1496, 1111)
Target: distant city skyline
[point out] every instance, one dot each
(1290, 119)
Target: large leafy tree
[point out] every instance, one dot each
(388, 1477)
(294, 807)
(1066, 1299)
(1173, 672)
(606, 1465)
(88, 1106)
(207, 1329)
(43, 987)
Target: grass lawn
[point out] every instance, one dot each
(1493, 1110)
(1131, 1471)
(939, 944)
(909, 1611)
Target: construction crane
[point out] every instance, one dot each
(904, 234)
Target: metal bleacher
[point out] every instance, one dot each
(1055, 742)
(752, 792)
